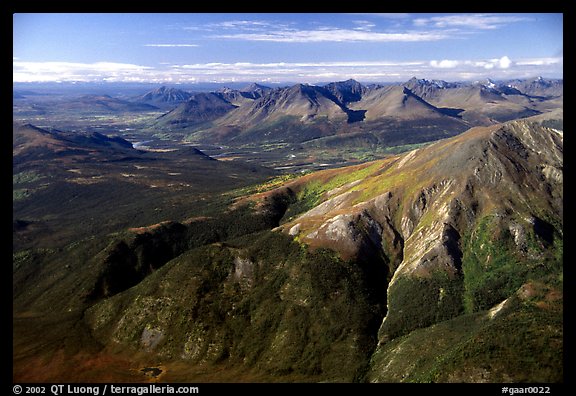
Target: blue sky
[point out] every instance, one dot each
(188, 48)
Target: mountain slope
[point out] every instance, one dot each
(471, 225)
(429, 90)
(294, 114)
(397, 102)
(32, 144)
(438, 167)
(358, 120)
(255, 90)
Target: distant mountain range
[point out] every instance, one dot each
(308, 112)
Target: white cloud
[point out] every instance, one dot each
(366, 71)
(474, 21)
(364, 25)
(334, 35)
(72, 71)
(433, 28)
(444, 64)
(170, 45)
(504, 62)
(540, 61)
(242, 24)
(389, 15)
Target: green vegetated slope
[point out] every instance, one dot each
(442, 264)
(271, 307)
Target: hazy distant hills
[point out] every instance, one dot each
(344, 113)
(303, 113)
(244, 95)
(200, 108)
(203, 107)
(164, 97)
(103, 103)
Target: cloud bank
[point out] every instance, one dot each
(369, 71)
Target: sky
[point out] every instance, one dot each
(276, 48)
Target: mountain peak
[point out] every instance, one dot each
(255, 87)
(349, 82)
(346, 91)
(488, 83)
(414, 82)
(165, 95)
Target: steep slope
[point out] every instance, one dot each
(471, 225)
(346, 91)
(200, 108)
(429, 90)
(394, 116)
(234, 96)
